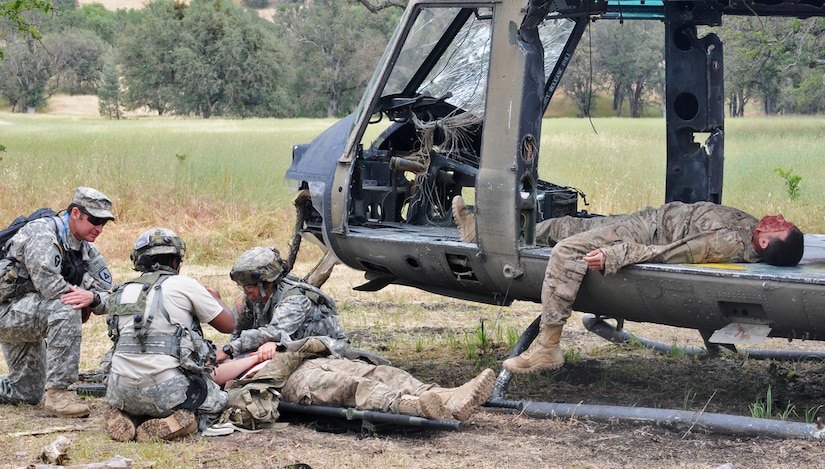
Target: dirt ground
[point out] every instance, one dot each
(436, 339)
(598, 373)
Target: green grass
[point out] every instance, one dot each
(620, 165)
(158, 163)
(231, 160)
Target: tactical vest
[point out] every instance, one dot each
(196, 354)
(323, 321)
(141, 341)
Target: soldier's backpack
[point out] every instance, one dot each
(19, 222)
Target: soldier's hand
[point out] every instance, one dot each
(267, 351)
(595, 259)
(215, 293)
(78, 297)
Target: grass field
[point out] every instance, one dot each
(219, 184)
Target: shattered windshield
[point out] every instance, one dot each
(461, 70)
(445, 55)
(554, 35)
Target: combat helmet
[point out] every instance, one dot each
(155, 242)
(256, 266)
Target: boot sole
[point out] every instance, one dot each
(487, 381)
(433, 408)
(119, 426)
(167, 428)
(534, 369)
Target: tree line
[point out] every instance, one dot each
(314, 58)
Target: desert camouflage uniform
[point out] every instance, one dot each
(350, 383)
(673, 233)
(306, 378)
(41, 335)
(288, 315)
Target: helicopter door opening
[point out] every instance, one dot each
(423, 141)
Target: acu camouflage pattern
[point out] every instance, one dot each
(94, 202)
(33, 315)
(296, 310)
(673, 233)
(163, 398)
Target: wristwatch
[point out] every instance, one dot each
(227, 349)
(95, 301)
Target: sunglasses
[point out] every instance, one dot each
(93, 219)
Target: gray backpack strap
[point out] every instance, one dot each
(141, 340)
(142, 327)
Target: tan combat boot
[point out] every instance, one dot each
(182, 422)
(428, 405)
(119, 426)
(464, 220)
(63, 403)
(543, 354)
(465, 399)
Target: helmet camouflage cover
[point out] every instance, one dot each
(257, 265)
(157, 241)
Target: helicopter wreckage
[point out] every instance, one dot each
(455, 107)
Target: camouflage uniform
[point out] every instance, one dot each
(308, 372)
(673, 233)
(296, 314)
(41, 335)
(288, 315)
(161, 399)
(350, 383)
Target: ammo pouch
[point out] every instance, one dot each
(197, 354)
(14, 282)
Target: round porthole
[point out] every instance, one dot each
(686, 106)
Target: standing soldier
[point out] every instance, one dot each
(52, 279)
